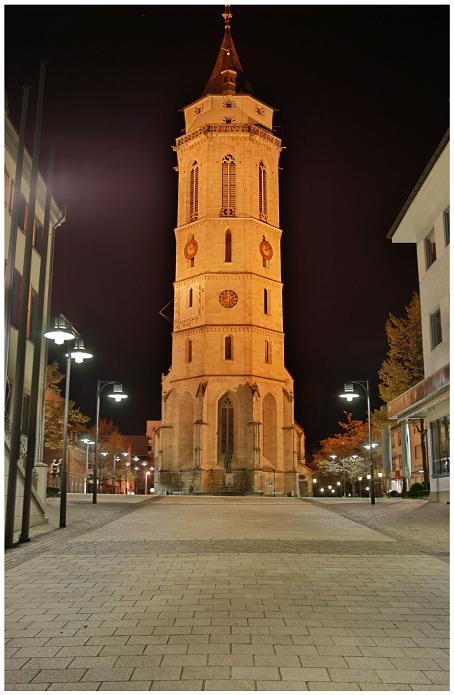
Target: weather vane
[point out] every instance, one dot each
(227, 16)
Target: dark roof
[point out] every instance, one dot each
(419, 184)
(227, 59)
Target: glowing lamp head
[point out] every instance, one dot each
(338, 482)
(333, 456)
(78, 352)
(360, 477)
(314, 480)
(117, 393)
(380, 475)
(103, 453)
(60, 332)
(85, 440)
(349, 394)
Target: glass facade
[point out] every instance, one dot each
(440, 446)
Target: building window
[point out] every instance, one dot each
(38, 236)
(11, 196)
(399, 438)
(22, 217)
(226, 425)
(194, 193)
(32, 316)
(446, 225)
(228, 347)
(268, 351)
(190, 297)
(228, 176)
(262, 192)
(440, 446)
(266, 302)
(16, 298)
(430, 249)
(418, 451)
(435, 329)
(25, 414)
(189, 351)
(228, 246)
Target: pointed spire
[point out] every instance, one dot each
(227, 68)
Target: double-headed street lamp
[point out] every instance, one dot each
(62, 332)
(349, 394)
(117, 395)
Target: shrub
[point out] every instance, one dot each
(418, 490)
(394, 493)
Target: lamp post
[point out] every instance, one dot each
(349, 395)
(62, 332)
(314, 482)
(88, 443)
(115, 459)
(360, 477)
(117, 395)
(147, 473)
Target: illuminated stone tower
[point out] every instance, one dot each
(227, 401)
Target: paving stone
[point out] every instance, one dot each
(353, 675)
(143, 660)
(108, 674)
(24, 675)
(28, 686)
(439, 677)
(219, 684)
(125, 685)
(74, 686)
(409, 677)
(158, 673)
(322, 685)
(177, 685)
(388, 686)
(304, 674)
(99, 662)
(60, 675)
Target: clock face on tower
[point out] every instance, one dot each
(228, 298)
(266, 249)
(190, 248)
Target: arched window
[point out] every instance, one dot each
(228, 246)
(228, 347)
(263, 212)
(228, 205)
(226, 414)
(194, 193)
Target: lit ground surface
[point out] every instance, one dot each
(201, 593)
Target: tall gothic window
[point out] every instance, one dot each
(226, 414)
(194, 193)
(263, 212)
(228, 347)
(228, 206)
(228, 246)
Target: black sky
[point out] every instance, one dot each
(362, 97)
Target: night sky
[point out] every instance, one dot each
(361, 94)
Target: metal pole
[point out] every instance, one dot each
(64, 463)
(343, 474)
(13, 228)
(113, 478)
(95, 463)
(18, 384)
(86, 469)
(372, 472)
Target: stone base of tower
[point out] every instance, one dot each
(219, 482)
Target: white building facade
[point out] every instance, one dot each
(227, 402)
(424, 221)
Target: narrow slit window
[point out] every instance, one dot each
(268, 351)
(194, 193)
(266, 301)
(228, 347)
(263, 212)
(228, 246)
(189, 351)
(190, 297)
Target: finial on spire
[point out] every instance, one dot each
(227, 16)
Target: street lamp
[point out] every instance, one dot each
(314, 482)
(89, 443)
(147, 473)
(117, 395)
(360, 477)
(64, 331)
(349, 394)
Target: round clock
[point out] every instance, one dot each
(228, 298)
(266, 249)
(190, 249)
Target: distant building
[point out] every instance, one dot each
(34, 227)
(424, 221)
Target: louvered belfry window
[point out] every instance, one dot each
(263, 212)
(228, 206)
(194, 193)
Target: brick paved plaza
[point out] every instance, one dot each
(200, 593)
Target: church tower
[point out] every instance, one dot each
(227, 400)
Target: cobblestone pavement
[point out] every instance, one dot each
(199, 593)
